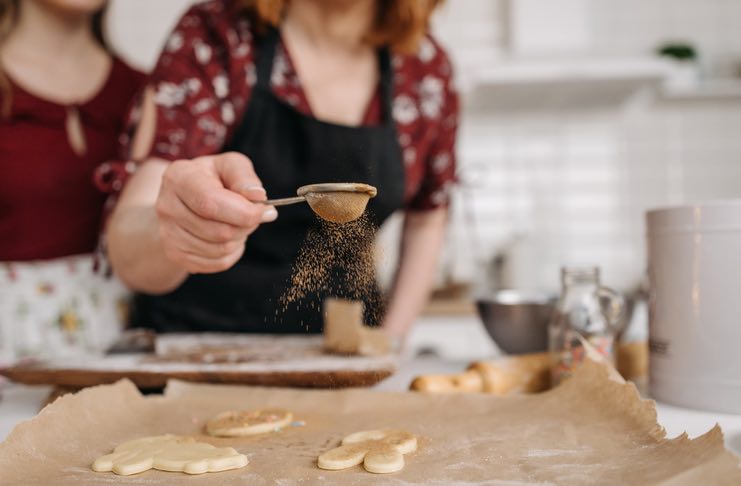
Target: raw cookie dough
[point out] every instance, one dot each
(248, 422)
(169, 453)
(344, 332)
(380, 451)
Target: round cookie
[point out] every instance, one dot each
(248, 422)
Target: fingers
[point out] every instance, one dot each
(189, 243)
(199, 264)
(176, 212)
(198, 256)
(207, 229)
(269, 214)
(237, 174)
(199, 187)
(196, 244)
(206, 211)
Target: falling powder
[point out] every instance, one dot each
(336, 260)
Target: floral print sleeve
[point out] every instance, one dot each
(426, 114)
(438, 103)
(195, 92)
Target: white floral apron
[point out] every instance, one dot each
(57, 308)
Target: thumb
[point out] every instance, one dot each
(238, 174)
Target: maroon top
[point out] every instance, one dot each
(49, 206)
(206, 73)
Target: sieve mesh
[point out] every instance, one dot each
(338, 207)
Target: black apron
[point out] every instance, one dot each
(288, 149)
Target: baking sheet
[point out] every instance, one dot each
(216, 358)
(590, 430)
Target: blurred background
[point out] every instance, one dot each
(573, 126)
(578, 115)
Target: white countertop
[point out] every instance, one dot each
(20, 402)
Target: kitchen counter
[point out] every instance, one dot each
(20, 402)
(437, 344)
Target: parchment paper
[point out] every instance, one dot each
(590, 430)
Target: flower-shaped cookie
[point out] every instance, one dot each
(380, 451)
(169, 453)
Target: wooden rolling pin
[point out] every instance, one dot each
(524, 373)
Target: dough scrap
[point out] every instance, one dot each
(344, 332)
(380, 451)
(169, 453)
(248, 422)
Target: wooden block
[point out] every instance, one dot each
(344, 332)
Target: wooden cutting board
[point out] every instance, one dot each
(294, 361)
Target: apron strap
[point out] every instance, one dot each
(266, 55)
(387, 84)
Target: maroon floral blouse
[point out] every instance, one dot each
(206, 74)
(49, 206)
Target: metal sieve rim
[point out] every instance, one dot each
(354, 187)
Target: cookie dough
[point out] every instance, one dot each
(380, 451)
(248, 422)
(169, 453)
(344, 332)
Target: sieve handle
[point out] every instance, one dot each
(283, 202)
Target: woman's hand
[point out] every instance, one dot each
(189, 216)
(205, 211)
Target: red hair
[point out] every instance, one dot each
(400, 24)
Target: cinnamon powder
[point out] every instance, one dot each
(336, 259)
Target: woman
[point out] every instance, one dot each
(256, 96)
(63, 96)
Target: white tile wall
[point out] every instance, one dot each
(477, 31)
(553, 188)
(574, 189)
(545, 26)
(137, 28)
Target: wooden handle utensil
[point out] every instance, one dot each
(527, 373)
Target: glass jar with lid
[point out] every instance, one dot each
(585, 311)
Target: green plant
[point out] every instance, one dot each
(679, 51)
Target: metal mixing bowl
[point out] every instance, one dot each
(517, 322)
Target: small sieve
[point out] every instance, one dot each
(337, 202)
